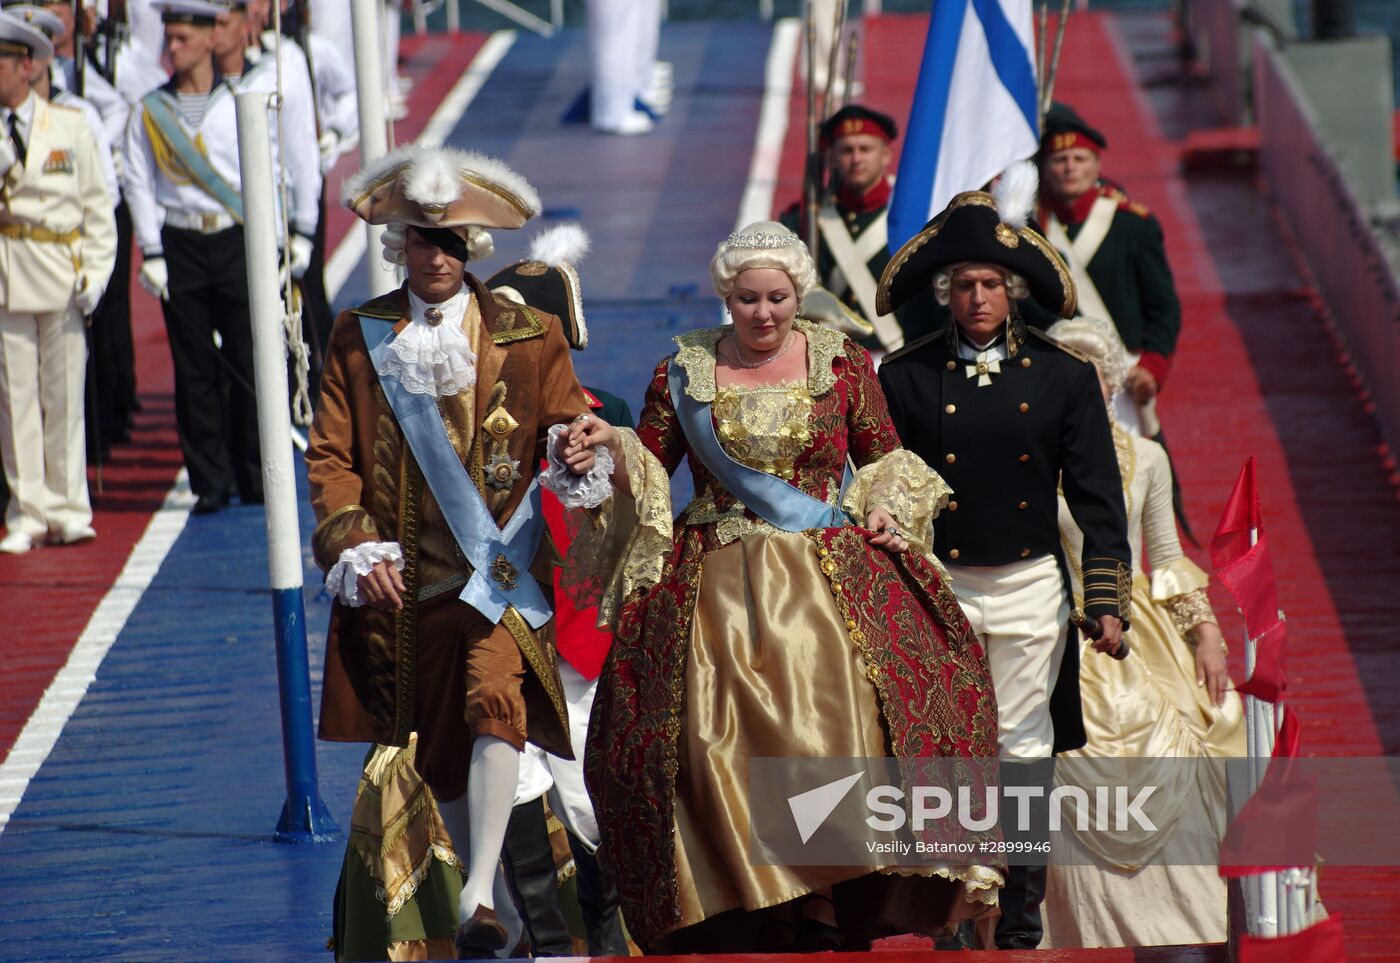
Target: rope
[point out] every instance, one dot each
(299, 361)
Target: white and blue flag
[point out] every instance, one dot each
(974, 111)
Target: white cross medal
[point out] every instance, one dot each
(983, 368)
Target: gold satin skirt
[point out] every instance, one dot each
(772, 672)
(1147, 706)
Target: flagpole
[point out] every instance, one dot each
(810, 189)
(1260, 733)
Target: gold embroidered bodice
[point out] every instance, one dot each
(764, 427)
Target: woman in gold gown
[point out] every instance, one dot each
(1167, 704)
(764, 623)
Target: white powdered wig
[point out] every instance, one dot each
(763, 244)
(434, 176)
(564, 244)
(1015, 192)
(1099, 341)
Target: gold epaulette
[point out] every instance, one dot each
(898, 353)
(1072, 352)
(386, 306)
(515, 322)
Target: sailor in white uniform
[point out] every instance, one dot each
(622, 41)
(182, 159)
(57, 244)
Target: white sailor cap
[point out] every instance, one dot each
(201, 13)
(41, 17)
(19, 36)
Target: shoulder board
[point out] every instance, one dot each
(591, 398)
(386, 306)
(516, 322)
(919, 343)
(1072, 352)
(1134, 206)
(67, 108)
(1110, 191)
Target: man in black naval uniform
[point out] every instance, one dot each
(853, 246)
(1006, 415)
(1116, 255)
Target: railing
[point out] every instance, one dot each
(1214, 29)
(1333, 228)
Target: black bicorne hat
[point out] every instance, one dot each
(548, 280)
(971, 229)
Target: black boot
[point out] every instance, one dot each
(529, 863)
(1019, 927)
(598, 898)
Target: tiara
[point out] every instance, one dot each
(759, 241)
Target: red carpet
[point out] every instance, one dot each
(51, 593)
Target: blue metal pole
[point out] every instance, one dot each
(305, 818)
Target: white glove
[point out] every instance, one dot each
(300, 256)
(155, 277)
(87, 297)
(330, 150)
(7, 155)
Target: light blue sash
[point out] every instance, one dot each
(500, 559)
(778, 503)
(164, 123)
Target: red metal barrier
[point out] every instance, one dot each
(1333, 229)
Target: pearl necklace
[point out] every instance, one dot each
(741, 363)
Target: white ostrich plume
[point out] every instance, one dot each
(1014, 193)
(564, 244)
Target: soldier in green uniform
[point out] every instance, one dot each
(1115, 252)
(853, 248)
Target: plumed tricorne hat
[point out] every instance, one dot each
(548, 279)
(440, 187)
(985, 228)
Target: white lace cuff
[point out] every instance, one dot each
(341, 580)
(577, 491)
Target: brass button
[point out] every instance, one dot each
(952, 366)
(1025, 458)
(1025, 362)
(952, 506)
(1023, 505)
(981, 367)
(950, 458)
(1025, 552)
(950, 408)
(954, 554)
(1025, 407)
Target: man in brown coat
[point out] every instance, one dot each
(436, 403)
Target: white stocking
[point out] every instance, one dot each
(477, 821)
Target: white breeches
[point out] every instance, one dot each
(1019, 612)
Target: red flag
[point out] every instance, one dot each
(1322, 942)
(1246, 570)
(1277, 828)
(1269, 680)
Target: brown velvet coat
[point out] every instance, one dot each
(367, 487)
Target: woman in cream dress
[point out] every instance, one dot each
(1168, 703)
(765, 623)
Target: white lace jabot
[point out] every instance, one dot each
(433, 359)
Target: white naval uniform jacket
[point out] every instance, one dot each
(65, 98)
(58, 189)
(150, 190)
